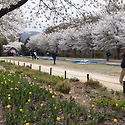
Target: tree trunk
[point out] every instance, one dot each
(93, 54)
(75, 52)
(118, 52)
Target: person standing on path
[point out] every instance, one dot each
(123, 69)
(35, 54)
(108, 54)
(54, 55)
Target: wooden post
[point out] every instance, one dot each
(30, 66)
(39, 68)
(123, 87)
(18, 63)
(87, 77)
(50, 71)
(65, 74)
(24, 64)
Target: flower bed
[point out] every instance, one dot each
(29, 103)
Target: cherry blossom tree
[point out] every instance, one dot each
(12, 23)
(15, 44)
(108, 33)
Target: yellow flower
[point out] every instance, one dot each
(18, 82)
(34, 78)
(54, 107)
(21, 110)
(28, 100)
(1, 82)
(11, 88)
(5, 82)
(8, 106)
(116, 105)
(27, 124)
(69, 92)
(41, 87)
(50, 92)
(84, 101)
(93, 106)
(53, 96)
(58, 118)
(16, 88)
(30, 93)
(29, 83)
(9, 98)
(8, 94)
(41, 105)
(11, 81)
(48, 85)
(115, 120)
(75, 98)
(25, 75)
(55, 93)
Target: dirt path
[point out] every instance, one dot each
(111, 82)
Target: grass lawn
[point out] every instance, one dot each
(93, 68)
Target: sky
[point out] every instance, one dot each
(40, 23)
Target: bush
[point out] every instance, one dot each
(93, 82)
(63, 86)
(74, 79)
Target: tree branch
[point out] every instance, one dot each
(12, 7)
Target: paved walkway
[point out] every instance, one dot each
(109, 81)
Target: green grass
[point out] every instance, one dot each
(41, 77)
(93, 68)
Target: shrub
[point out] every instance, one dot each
(103, 88)
(63, 86)
(93, 82)
(74, 79)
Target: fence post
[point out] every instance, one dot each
(39, 68)
(123, 87)
(65, 74)
(18, 63)
(24, 64)
(87, 77)
(50, 71)
(30, 66)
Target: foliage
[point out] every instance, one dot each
(63, 86)
(24, 50)
(3, 40)
(42, 77)
(29, 102)
(25, 102)
(93, 82)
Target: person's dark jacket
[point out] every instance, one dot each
(123, 63)
(54, 55)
